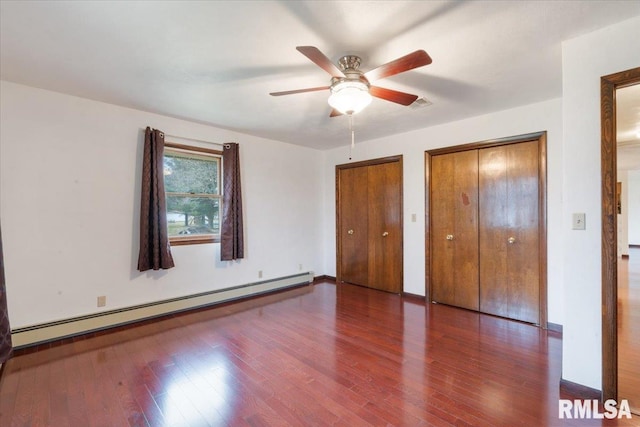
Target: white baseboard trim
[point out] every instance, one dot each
(36, 334)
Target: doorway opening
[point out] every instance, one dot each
(608, 86)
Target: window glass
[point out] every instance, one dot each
(191, 174)
(192, 187)
(192, 215)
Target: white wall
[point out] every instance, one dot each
(69, 205)
(633, 206)
(412, 145)
(586, 59)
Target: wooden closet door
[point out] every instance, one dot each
(509, 231)
(454, 229)
(353, 221)
(385, 226)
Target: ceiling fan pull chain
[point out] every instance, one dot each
(353, 132)
(353, 135)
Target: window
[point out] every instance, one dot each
(192, 187)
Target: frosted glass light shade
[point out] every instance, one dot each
(349, 97)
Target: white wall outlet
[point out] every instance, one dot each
(300, 267)
(413, 218)
(259, 274)
(102, 301)
(579, 221)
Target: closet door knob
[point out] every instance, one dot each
(449, 236)
(511, 240)
(350, 231)
(385, 234)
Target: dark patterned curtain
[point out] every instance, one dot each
(231, 234)
(155, 251)
(5, 330)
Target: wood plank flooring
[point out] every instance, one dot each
(629, 329)
(322, 354)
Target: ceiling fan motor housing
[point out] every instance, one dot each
(349, 62)
(350, 66)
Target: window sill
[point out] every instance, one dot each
(193, 240)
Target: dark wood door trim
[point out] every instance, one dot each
(369, 163)
(541, 137)
(364, 163)
(489, 143)
(608, 86)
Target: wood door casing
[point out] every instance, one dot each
(509, 235)
(369, 202)
(385, 230)
(353, 225)
(608, 86)
(454, 229)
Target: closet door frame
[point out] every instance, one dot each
(339, 236)
(541, 138)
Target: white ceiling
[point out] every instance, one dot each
(215, 62)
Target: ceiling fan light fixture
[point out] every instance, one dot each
(349, 96)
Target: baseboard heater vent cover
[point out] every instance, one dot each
(51, 331)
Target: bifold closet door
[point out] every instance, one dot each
(369, 224)
(454, 229)
(385, 226)
(509, 231)
(353, 221)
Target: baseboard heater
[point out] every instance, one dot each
(51, 331)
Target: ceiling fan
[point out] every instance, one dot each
(351, 89)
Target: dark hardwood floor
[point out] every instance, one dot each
(322, 354)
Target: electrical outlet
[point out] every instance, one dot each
(300, 267)
(413, 218)
(259, 274)
(102, 301)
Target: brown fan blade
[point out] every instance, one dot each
(291, 92)
(408, 62)
(335, 113)
(392, 95)
(320, 60)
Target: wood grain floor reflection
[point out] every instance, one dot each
(323, 354)
(629, 329)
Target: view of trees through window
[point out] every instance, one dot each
(192, 186)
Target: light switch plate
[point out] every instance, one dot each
(579, 221)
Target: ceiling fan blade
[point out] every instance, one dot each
(401, 98)
(291, 92)
(408, 62)
(320, 60)
(335, 113)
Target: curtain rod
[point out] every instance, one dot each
(194, 139)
